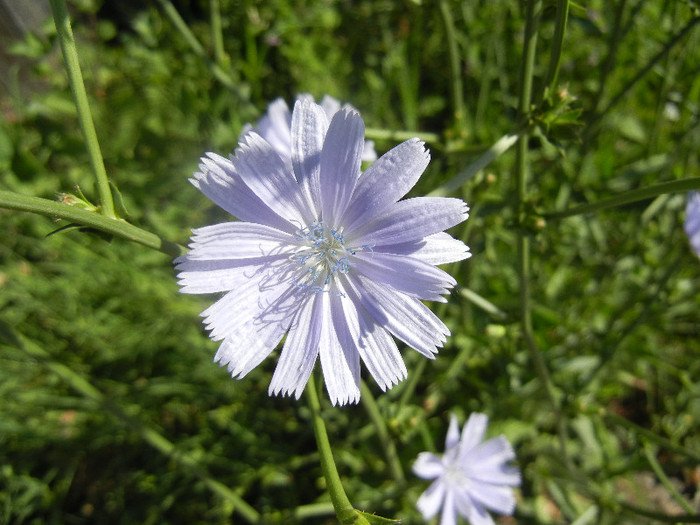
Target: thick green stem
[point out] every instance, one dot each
(77, 86)
(344, 510)
(523, 242)
(116, 227)
(628, 197)
(388, 445)
(150, 435)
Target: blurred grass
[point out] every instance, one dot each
(615, 295)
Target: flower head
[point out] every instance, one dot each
(470, 477)
(323, 254)
(275, 126)
(692, 221)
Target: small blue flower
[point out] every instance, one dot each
(470, 477)
(692, 221)
(323, 254)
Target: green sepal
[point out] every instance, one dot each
(77, 200)
(120, 207)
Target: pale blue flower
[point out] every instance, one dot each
(322, 254)
(471, 477)
(275, 126)
(692, 221)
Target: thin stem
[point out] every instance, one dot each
(483, 303)
(628, 197)
(396, 136)
(659, 516)
(150, 435)
(615, 38)
(77, 86)
(388, 445)
(523, 242)
(222, 76)
(116, 227)
(344, 510)
(642, 432)
(216, 32)
(642, 73)
(456, 89)
(562, 17)
(654, 464)
(496, 150)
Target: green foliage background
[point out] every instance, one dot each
(615, 294)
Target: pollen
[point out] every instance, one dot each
(322, 253)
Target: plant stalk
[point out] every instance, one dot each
(628, 197)
(77, 86)
(90, 219)
(344, 510)
(534, 8)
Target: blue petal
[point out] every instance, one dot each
(309, 127)
(410, 220)
(300, 350)
(340, 163)
(221, 184)
(265, 174)
(340, 362)
(386, 181)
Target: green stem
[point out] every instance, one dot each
(628, 197)
(388, 445)
(659, 516)
(456, 89)
(483, 303)
(116, 227)
(221, 75)
(654, 464)
(150, 435)
(642, 73)
(216, 32)
(344, 510)
(615, 37)
(562, 17)
(523, 242)
(496, 150)
(647, 434)
(399, 136)
(77, 86)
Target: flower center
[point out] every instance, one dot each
(322, 253)
(455, 475)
